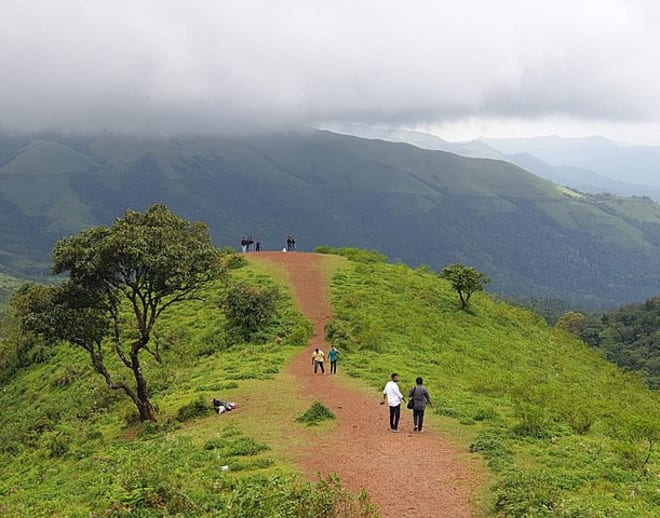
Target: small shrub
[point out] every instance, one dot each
(244, 446)
(197, 408)
(485, 414)
(523, 494)
(533, 420)
(316, 413)
(214, 444)
(57, 444)
(11, 448)
(491, 446)
(231, 259)
(448, 412)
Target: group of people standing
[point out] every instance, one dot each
(248, 242)
(318, 360)
(290, 244)
(419, 398)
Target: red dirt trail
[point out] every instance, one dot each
(406, 474)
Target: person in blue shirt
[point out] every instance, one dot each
(332, 356)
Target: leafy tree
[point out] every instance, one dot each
(465, 280)
(143, 264)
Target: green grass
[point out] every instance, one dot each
(562, 429)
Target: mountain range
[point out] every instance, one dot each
(587, 164)
(418, 206)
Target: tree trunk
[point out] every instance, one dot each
(147, 412)
(464, 303)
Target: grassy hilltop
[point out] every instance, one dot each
(565, 432)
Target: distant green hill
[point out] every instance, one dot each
(530, 236)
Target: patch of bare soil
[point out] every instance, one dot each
(406, 474)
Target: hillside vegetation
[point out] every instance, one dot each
(531, 237)
(8, 285)
(565, 432)
(629, 336)
(70, 447)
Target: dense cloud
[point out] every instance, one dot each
(167, 66)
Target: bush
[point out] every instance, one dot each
(197, 408)
(231, 259)
(316, 413)
(249, 307)
(533, 420)
(244, 446)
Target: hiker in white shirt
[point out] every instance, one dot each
(393, 395)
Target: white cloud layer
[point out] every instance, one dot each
(167, 66)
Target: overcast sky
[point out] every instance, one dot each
(460, 69)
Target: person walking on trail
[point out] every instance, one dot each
(332, 356)
(419, 396)
(393, 395)
(317, 360)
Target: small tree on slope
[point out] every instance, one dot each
(465, 280)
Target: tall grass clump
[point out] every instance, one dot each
(562, 429)
(289, 497)
(316, 414)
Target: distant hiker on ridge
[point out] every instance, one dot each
(243, 244)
